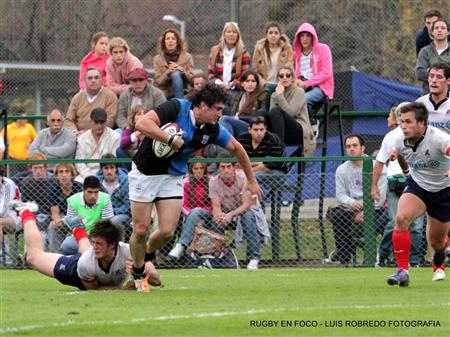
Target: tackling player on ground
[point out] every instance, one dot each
(101, 265)
(158, 181)
(427, 152)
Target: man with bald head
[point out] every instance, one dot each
(56, 142)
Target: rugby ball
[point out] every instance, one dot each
(161, 149)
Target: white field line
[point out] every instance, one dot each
(6, 330)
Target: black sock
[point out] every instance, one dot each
(150, 256)
(138, 272)
(438, 258)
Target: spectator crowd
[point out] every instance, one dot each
(272, 97)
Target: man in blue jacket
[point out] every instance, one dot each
(114, 181)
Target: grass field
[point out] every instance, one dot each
(230, 303)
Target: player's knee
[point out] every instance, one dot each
(437, 245)
(140, 229)
(166, 234)
(30, 258)
(402, 221)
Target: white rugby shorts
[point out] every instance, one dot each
(145, 188)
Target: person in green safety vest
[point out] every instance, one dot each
(87, 206)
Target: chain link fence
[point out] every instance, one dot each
(43, 41)
(305, 225)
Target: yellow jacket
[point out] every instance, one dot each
(19, 140)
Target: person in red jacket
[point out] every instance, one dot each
(97, 58)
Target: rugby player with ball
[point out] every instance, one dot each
(173, 131)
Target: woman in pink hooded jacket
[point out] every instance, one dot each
(97, 58)
(313, 65)
(120, 65)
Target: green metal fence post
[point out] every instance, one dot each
(234, 10)
(370, 246)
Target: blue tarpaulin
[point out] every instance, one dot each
(372, 93)
(369, 93)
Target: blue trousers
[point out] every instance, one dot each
(314, 95)
(178, 84)
(234, 125)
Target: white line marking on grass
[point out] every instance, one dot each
(282, 275)
(212, 314)
(176, 288)
(191, 276)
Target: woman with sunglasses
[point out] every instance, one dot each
(271, 52)
(288, 115)
(249, 102)
(173, 65)
(229, 59)
(97, 58)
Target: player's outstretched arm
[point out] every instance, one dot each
(93, 285)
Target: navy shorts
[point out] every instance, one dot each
(65, 271)
(438, 203)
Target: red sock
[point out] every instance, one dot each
(79, 233)
(442, 266)
(401, 240)
(439, 257)
(26, 215)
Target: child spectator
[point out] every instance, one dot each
(195, 186)
(130, 138)
(97, 58)
(120, 65)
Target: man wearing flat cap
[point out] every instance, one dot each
(94, 96)
(141, 92)
(97, 141)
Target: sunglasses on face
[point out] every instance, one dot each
(284, 75)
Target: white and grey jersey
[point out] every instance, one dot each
(429, 161)
(438, 114)
(349, 185)
(387, 145)
(89, 268)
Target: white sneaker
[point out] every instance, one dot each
(253, 264)
(177, 251)
(315, 130)
(19, 206)
(439, 275)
